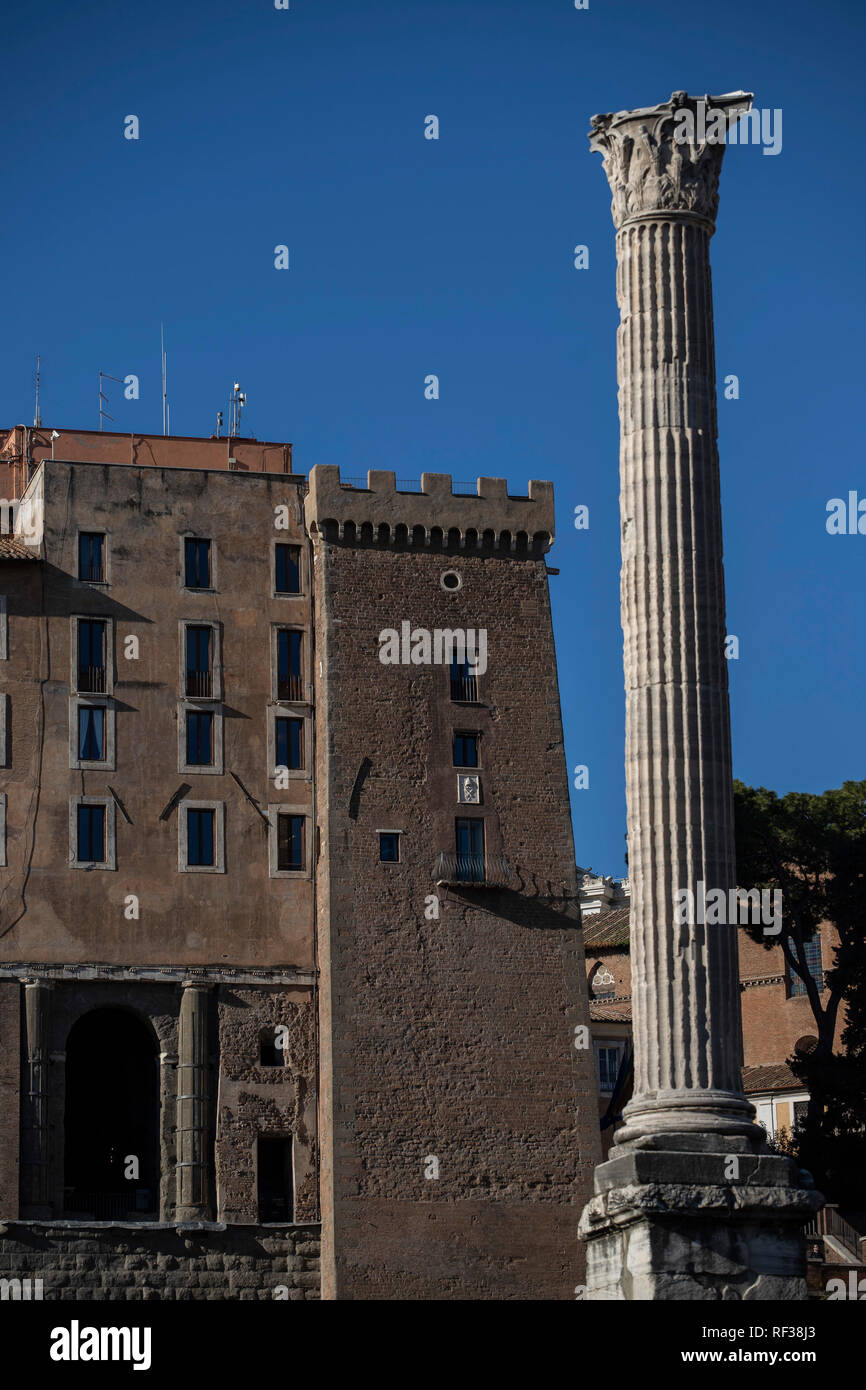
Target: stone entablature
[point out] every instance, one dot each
(434, 516)
(602, 893)
(158, 974)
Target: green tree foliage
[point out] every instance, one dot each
(813, 847)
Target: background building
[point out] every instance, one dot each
(289, 937)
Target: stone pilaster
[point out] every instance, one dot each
(685, 1220)
(36, 1134)
(193, 1168)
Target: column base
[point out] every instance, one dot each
(674, 1224)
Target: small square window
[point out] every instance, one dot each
(290, 843)
(465, 750)
(287, 569)
(91, 734)
(389, 846)
(196, 563)
(199, 738)
(91, 556)
(200, 838)
(90, 847)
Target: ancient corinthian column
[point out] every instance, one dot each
(678, 743)
(689, 1201)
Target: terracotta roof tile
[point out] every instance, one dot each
(13, 549)
(777, 1077)
(607, 929)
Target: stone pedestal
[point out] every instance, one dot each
(694, 1224)
(689, 1204)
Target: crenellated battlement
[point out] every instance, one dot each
(382, 514)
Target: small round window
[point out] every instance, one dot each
(451, 580)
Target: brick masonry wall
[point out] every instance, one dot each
(772, 1022)
(120, 1263)
(448, 1039)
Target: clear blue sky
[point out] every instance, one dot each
(410, 257)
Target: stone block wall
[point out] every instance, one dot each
(125, 1262)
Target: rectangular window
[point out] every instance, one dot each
(91, 655)
(389, 847)
(464, 682)
(90, 848)
(608, 1066)
(91, 556)
(196, 563)
(199, 661)
(465, 750)
(290, 684)
(199, 738)
(200, 838)
(274, 1179)
(470, 849)
(287, 567)
(289, 743)
(290, 842)
(91, 734)
(814, 964)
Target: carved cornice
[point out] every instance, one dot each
(667, 158)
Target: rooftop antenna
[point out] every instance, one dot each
(37, 419)
(103, 413)
(164, 402)
(238, 401)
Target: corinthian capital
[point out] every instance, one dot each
(667, 158)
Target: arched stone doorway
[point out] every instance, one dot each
(111, 1161)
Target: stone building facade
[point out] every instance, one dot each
(290, 947)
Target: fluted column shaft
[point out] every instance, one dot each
(36, 1155)
(685, 984)
(192, 1105)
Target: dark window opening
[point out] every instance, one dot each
(90, 848)
(91, 556)
(112, 1117)
(465, 750)
(464, 682)
(91, 734)
(289, 736)
(290, 685)
(290, 842)
(275, 1179)
(199, 738)
(91, 655)
(389, 847)
(200, 838)
(287, 562)
(270, 1055)
(199, 661)
(196, 563)
(470, 849)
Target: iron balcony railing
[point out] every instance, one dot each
(199, 684)
(91, 680)
(290, 687)
(484, 870)
(464, 688)
(829, 1222)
